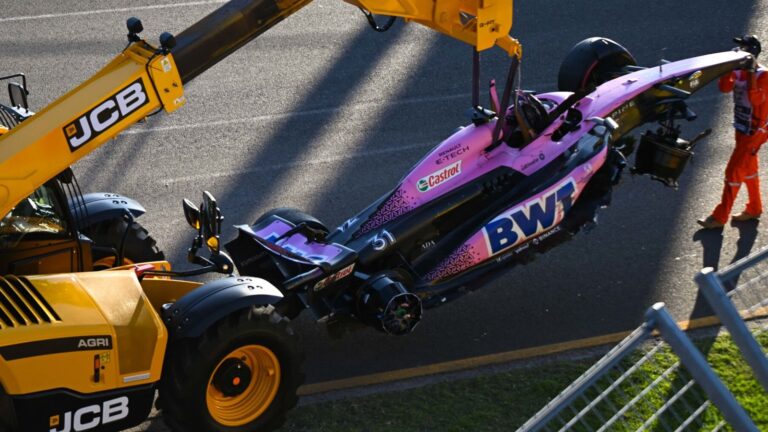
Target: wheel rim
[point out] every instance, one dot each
(109, 262)
(247, 402)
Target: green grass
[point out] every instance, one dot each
(505, 400)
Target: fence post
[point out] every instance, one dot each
(713, 290)
(697, 365)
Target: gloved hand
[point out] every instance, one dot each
(750, 44)
(752, 65)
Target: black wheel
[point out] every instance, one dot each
(592, 62)
(295, 217)
(7, 414)
(241, 375)
(139, 244)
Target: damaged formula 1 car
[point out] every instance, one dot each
(492, 195)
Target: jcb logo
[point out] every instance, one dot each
(91, 416)
(91, 124)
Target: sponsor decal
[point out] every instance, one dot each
(490, 22)
(530, 219)
(535, 242)
(534, 161)
(546, 235)
(439, 177)
(273, 238)
(90, 125)
(451, 153)
(347, 224)
(166, 65)
(523, 248)
(91, 416)
(382, 240)
(55, 346)
(97, 342)
(693, 80)
(622, 109)
(302, 253)
(341, 274)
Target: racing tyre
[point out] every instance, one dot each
(592, 62)
(295, 217)
(241, 375)
(139, 245)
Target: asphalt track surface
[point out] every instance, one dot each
(323, 114)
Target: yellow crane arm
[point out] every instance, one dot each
(481, 23)
(142, 79)
(134, 84)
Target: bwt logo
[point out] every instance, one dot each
(91, 416)
(529, 219)
(118, 106)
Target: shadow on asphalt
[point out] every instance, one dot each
(628, 250)
(608, 293)
(711, 243)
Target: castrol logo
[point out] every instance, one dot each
(439, 177)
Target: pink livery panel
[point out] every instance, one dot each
(535, 218)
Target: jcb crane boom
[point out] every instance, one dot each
(143, 79)
(100, 343)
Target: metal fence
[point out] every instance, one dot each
(662, 381)
(738, 292)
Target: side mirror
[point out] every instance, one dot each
(211, 221)
(192, 214)
(18, 95)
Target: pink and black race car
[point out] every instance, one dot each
(492, 195)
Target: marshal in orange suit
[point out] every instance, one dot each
(750, 96)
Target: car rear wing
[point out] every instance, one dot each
(279, 251)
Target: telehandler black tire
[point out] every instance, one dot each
(7, 415)
(241, 375)
(139, 244)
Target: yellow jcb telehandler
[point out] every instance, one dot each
(85, 350)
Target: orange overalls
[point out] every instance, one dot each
(751, 123)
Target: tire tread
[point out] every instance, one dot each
(183, 364)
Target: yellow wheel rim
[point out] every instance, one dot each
(109, 262)
(253, 399)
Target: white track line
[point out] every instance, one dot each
(330, 159)
(100, 11)
(269, 117)
(330, 110)
(302, 163)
